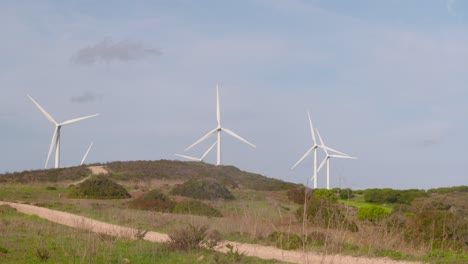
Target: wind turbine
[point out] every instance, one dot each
(314, 149)
(197, 159)
(56, 136)
(327, 159)
(86, 154)
(218, 131)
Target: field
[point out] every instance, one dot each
(261, 213)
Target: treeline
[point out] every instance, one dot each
(392, 196)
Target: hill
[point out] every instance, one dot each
(157, 170)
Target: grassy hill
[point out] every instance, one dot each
(156, 170)
(402, 224)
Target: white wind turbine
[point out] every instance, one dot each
(327, 159)
(197, 159)
(86, 154)
(314, 149)
(56, 136)
(218, 131)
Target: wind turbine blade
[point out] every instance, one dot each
(208, 151)
(321, 141)
(342, 157)
(188, 157)
(77, 119)
(311, 128)
(51, 119)
(303, 157)
(218, 113)
(323, 163)
(52, 143)
(86, 154)
(237, 136)
(333, 150)
(207, 135)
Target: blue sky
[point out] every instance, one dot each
(383, 80)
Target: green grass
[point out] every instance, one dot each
(30, 192)
(359, 205)
(26, 238)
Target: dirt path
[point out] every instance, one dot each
(98, 170)
(259, 251)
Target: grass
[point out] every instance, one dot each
(30, 239)
(250, 218)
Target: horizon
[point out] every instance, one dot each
(384, 82)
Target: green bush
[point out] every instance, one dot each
(154, 201)
(372, 213)
(325, 194)
(442, 190)
(205, 189)
(285, 240)
(196, 208)
(99, 187)
(387, 195)
(346, 194)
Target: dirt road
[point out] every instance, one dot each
(259, 251)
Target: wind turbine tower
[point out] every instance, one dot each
(218, 131)
(56, 136)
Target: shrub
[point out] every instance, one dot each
(297, 195)
(346, 194)
(442, 229)
(154, 201)
(213, 238)
(325, 194)
(461, 188)
(388, 195)
(380, 196)
(372, 213)
(206, 189)
(188, 238)
(196, 208)
(327, 214)
(99, 187)
(285, 240)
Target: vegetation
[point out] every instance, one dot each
(187, 238)
(443, 190)
(298, 194)
(53, 175)
(372, 213)
(153, 200)
(322, 210)
(177, 170)
(99, 187)
(387, 195)
(400, 224)
(285, 240)
(205, 189)
(344, 194)
(30, 239)
(196, 208)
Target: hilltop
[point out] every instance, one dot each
(161, 170)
